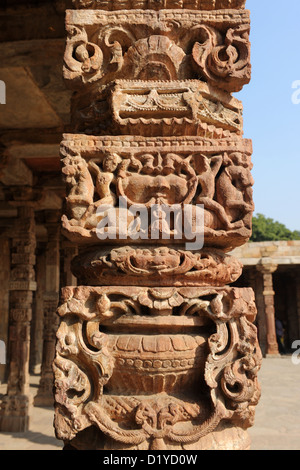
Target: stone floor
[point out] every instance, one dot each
(277, 425)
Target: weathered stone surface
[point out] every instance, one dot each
(148, 266)
(159, 4)
(154, 351)
(164, 45)
(19, 115)
(162, 108)
(133, 401)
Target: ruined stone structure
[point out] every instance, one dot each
(154, 350)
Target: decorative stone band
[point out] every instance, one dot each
(159, 4)
(183, 171)
(113, 370)
(104, 46)
(148, 266)
(186, 107)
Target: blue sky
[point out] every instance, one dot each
(271, 119)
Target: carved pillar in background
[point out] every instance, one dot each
(255, 282)
(268, 295)
(154, 351)
(15, 406)
(44, 396)
(4, 298)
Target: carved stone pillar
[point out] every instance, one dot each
(15, 406)
(154, 351)
(268, 295)
(44, 396)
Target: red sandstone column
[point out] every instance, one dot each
(268, 293)
(15, 406)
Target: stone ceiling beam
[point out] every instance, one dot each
(31, 53)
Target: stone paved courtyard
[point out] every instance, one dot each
(277, 425)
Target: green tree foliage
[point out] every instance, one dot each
(266, 229)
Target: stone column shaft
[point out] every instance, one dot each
(154, 351)
(4, 301)
(268, 294)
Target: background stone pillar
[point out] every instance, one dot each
(255, 282)
(298, 301)
(268, 295)
(44, 396)
(68, 254)
(5, 260)
(15, 406)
